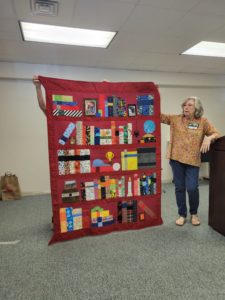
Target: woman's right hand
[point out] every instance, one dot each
(205, 144)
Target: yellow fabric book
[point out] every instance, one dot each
(129, 160)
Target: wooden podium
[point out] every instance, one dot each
(217, 186)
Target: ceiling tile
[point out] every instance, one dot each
(182, 5)
(101, 14)
(197, 26)
(210, 8)
(9, 29)
(152, 20)
(6, 9)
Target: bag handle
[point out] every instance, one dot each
(8, 174)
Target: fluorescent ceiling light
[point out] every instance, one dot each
(66, 35)
(207, 49)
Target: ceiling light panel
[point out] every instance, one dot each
(66, 35)
(205, 48)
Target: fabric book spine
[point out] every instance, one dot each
(113, 130)
(101, 109)
(110, 106)
(88, 135)
(97, 136)
(136, 185)
(79, 132)
(92, 135)
(121, 135)
(129, 132)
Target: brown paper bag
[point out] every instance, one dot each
(10, 187)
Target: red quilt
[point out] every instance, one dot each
(104, 155)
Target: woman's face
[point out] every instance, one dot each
(189, 108)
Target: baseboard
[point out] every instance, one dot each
(24, 194)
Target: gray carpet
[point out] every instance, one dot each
(163, 262)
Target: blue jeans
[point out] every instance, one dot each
(185, 179)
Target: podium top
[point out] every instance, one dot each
(219, 144)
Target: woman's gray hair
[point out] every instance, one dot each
(199, 111)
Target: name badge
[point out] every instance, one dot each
(193, 126)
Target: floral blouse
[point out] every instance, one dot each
(186, 137)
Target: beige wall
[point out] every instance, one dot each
(23, 134)
(23, 131)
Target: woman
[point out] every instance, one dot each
(190, 134)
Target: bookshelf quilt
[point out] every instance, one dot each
(104, 156)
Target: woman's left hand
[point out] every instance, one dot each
(205, 144)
